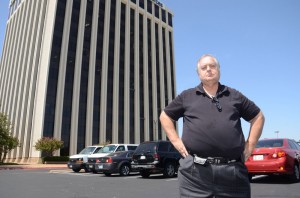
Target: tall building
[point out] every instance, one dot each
(86, 72)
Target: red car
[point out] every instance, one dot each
(275, 156)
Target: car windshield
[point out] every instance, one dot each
(269, 143)
(87, 150)
(147, 148)
(107, 149)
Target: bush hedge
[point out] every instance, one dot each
(56, 159)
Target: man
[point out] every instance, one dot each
(213, 145)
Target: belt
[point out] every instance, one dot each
(213, 160)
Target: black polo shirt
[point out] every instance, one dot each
(207, 131)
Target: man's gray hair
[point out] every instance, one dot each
(207, 55)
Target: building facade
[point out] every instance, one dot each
(86, 72)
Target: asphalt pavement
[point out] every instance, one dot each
(33, 166)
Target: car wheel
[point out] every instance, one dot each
(76, 170)
(145, 174)
(124, 170)
(107, 174)
(169, 170)
(295, 177)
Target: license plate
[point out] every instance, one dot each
(100, 166)
(70, 166)
(143, 157)
(91, 166)
(258, 157)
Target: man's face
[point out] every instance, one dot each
(208, 70)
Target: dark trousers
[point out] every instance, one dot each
(213, 180)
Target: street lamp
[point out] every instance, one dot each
(277, 133)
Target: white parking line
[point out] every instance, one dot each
(74, 174)
(132, 177)
(174, 179)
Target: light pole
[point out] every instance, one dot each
(277, 133)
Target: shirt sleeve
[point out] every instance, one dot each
(249, 108)
(175, 109)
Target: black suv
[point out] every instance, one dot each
(156, 157)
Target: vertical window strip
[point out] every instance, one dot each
(141, 75)
(122, 73)
(110, 74)
(84, 76)
(53, 70)
(150, 91)
(98, 73)
(131, 83)
(69, 78)
(165, 66)
(172, 64)
(157, 49)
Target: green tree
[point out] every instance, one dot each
(7, 141)
(48, 145)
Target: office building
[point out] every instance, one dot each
(86, 72)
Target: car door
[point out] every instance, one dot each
(296, 148)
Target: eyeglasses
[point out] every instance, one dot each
(216, 101)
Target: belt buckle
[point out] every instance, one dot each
(199, 160)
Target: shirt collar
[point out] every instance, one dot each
(221, 89)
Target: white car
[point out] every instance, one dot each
(78, 161)
(110, 148)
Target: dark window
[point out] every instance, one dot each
(172, 64)
(122, 73)
(173, 149)
(131, 77)
(292, 145)
(149, 6)
(97, 149)
(170, 19)
(53, 70)
(156, 11)
(150, 147)
(165, 67)
(151, 121)
(157, 50)
(69, 79)
(98, 73)
(141, 3)
(163, 147)
(163, 15)
(269, 143)
(297, 145)
(131, 148)
(84, 76)
(141, 76)
(110, 71)
(133, 1)
(121, 148)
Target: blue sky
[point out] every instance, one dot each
(257, 43)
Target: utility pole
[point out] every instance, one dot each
(277, 133)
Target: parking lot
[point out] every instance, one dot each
(63, 183)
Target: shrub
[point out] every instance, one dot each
(48, 145)
(7, 141)
(56, 158)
